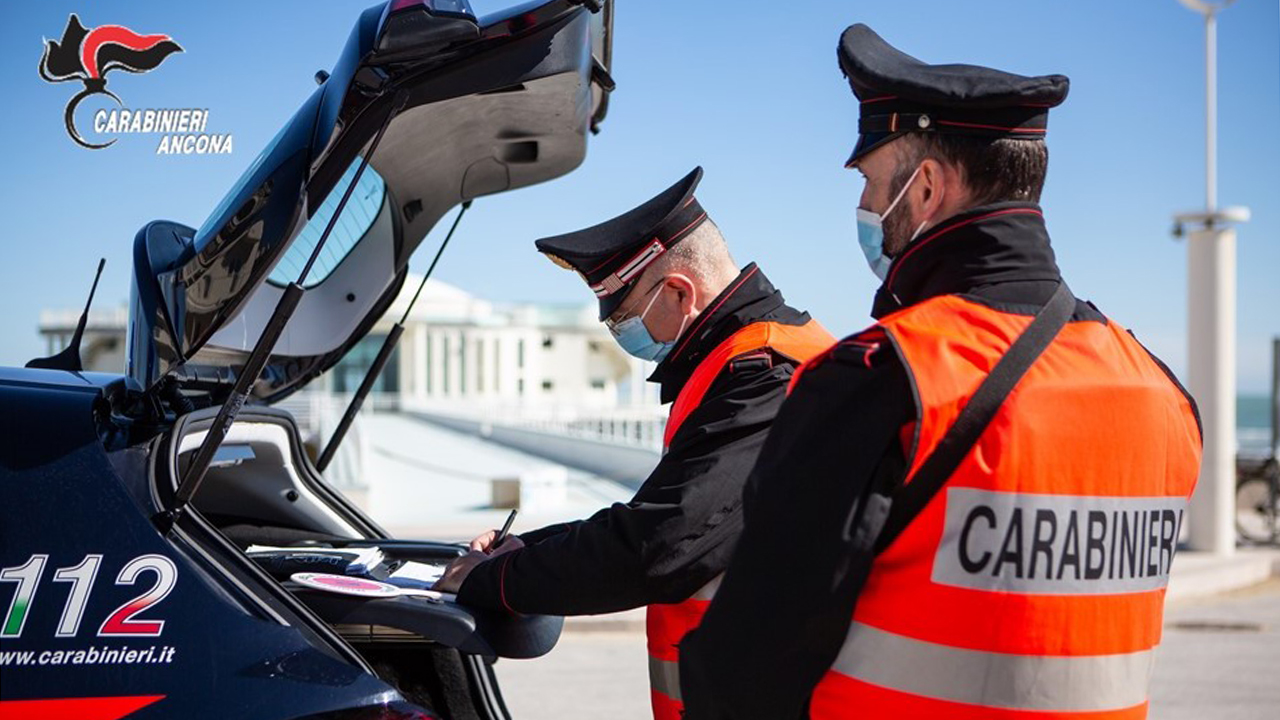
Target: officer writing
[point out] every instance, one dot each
(726, 344)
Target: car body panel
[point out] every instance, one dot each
(207, 650)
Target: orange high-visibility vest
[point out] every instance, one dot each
(667, 624)
(1032, 585)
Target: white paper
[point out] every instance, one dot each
(425, 572)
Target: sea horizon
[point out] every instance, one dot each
(1253, 422)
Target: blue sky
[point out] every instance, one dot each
(750, 90)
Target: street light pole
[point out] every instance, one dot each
(1211, 326)
(1210, 111)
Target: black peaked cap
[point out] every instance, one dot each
(611, 256)
(900, 94)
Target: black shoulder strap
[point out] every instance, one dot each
(912, 498)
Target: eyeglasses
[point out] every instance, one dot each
(613, 321)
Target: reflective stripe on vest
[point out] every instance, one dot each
(1032, 585)
(1077, 683)
(667, 624)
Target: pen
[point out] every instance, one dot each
(502, 534)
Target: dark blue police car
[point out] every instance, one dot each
(152, 524)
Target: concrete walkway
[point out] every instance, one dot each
(1200, 574)
(1218, 659)
(426, 482)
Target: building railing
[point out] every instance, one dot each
(114, 319)
(639, 432)
(318, 412)
(638, 427)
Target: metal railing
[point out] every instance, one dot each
(317, 413)
(639, 427)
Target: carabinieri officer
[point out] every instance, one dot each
(726, 344)
(968, 510)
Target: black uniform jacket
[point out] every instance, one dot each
(784, 607)
(680, 529)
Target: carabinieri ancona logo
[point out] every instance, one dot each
(88, 55)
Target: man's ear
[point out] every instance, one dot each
(686, 292)
(933, 187)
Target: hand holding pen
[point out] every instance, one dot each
(496, 542)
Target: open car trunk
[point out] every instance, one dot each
(263, 494)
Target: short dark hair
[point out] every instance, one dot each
(995, 169)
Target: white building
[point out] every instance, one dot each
(102, 348)
(458, 352)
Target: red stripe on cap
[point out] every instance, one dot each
(645, 257)
(991, 127)
(606, 262)
(685, 229)
(665, 245)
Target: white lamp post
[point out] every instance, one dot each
(1211, 325)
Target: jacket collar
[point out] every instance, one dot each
(998, 243)
(750, 297)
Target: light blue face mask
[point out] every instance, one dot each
(635, 338)
(871, 233)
